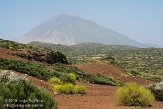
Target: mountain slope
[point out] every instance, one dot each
(67, 29)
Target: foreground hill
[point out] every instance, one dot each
(68, 30)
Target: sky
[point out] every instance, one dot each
(141, 20)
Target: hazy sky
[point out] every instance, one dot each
(141, 20)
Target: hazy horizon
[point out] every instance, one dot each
(140, 20)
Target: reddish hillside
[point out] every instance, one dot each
(5, 53)
(110, 70)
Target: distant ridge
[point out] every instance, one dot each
(68, 30)
(83, 48)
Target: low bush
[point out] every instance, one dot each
(62, 68)
(134, 73)
(72, 76)
(100, 79)
(132, 94)
(157, 90)
(69, 89)
(55, 80)
(64, 77)
(80, 89)
(16, 91)
(67, 69)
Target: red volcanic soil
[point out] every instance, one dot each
(7, 54)
(97, 97)
(110, 70)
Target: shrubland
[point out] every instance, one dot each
(61, 87)
(104, 80)
(18, 92)
(65, 73)
(60, 70)
(145, 62)
(32, 69)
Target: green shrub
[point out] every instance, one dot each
(69, 89)
(13, 87)
(134, 73)
(100, 79)
(132, 94)
(63, 68)
(55, 80)
(67, 69)
(157, 79)
(64, 88)
(80, 89)
(72, 76)
(64, 77)
(157, 90)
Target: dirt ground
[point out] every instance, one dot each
(97, 97)
(110, 70)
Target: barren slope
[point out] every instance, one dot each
(110, 70)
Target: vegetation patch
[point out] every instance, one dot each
(11, 45)
(69, 89)
(132, 94)
(66, 88)
(29, 68)
(100, 79)
(55, 80)
(61, 72)
(64, 77)
(17, 92)
(66, 69)
(144, 61)
(66, 74)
